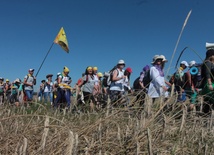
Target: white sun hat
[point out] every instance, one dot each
(155, 58)
(164, 58)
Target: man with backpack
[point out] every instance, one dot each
(29, 82)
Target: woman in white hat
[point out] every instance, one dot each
(157, 87)
(116, 87)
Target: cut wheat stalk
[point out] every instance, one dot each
(183, 117)
(149, 142)
(25, 144)
(71, 143)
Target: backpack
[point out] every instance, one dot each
(108, 77)
(105, 79)
(136, 85)
(180, 79)
(84, 82)
(23, 86)
(196, 75)
(147, 79)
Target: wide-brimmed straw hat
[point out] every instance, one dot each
(164, 58)
(49, 75)
(156, 57)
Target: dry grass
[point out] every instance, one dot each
(118, 131)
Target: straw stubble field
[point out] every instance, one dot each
(171, 130)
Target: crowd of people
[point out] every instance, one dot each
(95, 88)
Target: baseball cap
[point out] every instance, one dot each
(100, 74)
(129, 69)
(95, 68)
(121, 62)
(185, 63)
(31, 70)
(89, 68)
(192, 63)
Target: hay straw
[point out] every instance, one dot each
(71, 143)
(179, 37)
(149, 142)
(25, 142)
(45, 133)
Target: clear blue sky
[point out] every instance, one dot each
(99, 33)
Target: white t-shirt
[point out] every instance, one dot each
(118, 85)
(48, 87)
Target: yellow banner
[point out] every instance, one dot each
(62, 40)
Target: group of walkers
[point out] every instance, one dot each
(95, 88)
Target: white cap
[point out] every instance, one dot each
(184, 63)
(121, 62)
(192, 63)
(31, 70)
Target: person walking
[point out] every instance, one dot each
(88, 84)
(157, 87)
(208, 82)
(7, 90)
(189, 88)
(1, 90)
(29, 81)
(41, 91)
(126, 85)
(48, 89)
(64, 89)
(116, 87)
(180, 81)
(14, 98)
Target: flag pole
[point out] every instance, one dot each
(44, 59)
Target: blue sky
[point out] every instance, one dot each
(99, 33)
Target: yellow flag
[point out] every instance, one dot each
(62, 40)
